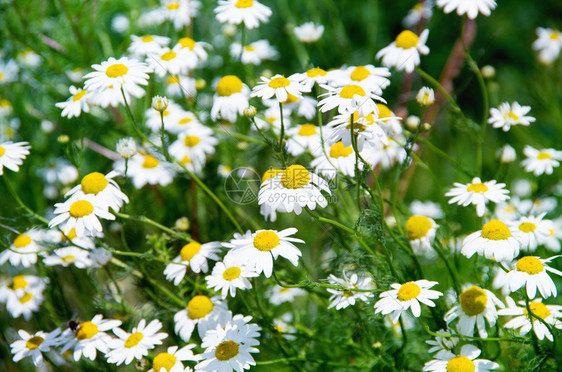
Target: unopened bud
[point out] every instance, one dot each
(488, 71)
(507, 154)
(159, 103)
(63, 138)
(126, 147)
(413, 122)
(182, 224)
(250, 111)
(426, 126)
(425, 96)
(200, 84)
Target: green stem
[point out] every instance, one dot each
(21, 203)
(153, 223)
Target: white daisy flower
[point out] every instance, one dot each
(420, 231)
(340, 158)
(168, 61)
(135, 345)
(465, 361)
(269, 211)
(105, 190)
(260, 249)
(180, 12)
(171, 360)
(69, 256)
(550, 314)
(100, 257)
(349, 99)
(532, 231)
(368, 77)
(192, 52)
(303, 137)
(146, 169)
(442, 345)
(75, 104)
(367, 129)
(342, 299)
(278, 295)
(143, 46)
(475, 306)
(194, 255)
(495, 241)
(254, 53)
(89, 337)
(552, 241)
(112, 96)
(426, 208)
(179, 86)
(26, 243)
(249, 12)
(506, 116)
(478, 193)
(468, 7)
(231, 99)
(24, 303)
(309, 32)
(204, 312)
(172, 115)
(34, 345)
(8, 71)
(20, 285)
(195, 143)
(227, 276)
(124, 73)
(539, 161)
(81, 213)
(532, 272)
(278, 86)
(548, 44)
(387, 156)
(404, 52)
(313, 76)
(421, 10)
(12, 155)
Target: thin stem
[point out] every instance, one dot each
(162, 137)
(21, 203)
(281, 146)
(153, 223)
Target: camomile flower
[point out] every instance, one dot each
(302, 138)
(105, 190)
(476, 306)
(193, 255)
(111, 96)
(195, 144)
(249, 12)
(387, 156)
(143, 46)
(442, 345)
(254, 53)
(341, 299)
(339, 158)
(146, 169)
(312, 76)
(80, 213)
(204, 312)
(368, 77)
(309, 32)
(89, 337)
(125, 73)
(538, 161)
(508, 115)
(349, 99)
(532, 272)
(23, 250)
(548, 44)
(230, 99)
(468, 7)
(179, 86)
(69, 256)
(227, 276)
(420, 231)
(135, 345)
(192, 52)
(478, 193)
(8, 71)
(171, 114)
(549, 314)
(366, 129)
(421, 10)
(552, 241)
(180, 12)
(404, 52)
(278, 86)
(12, 155)
(495, 241)
(532, 231)
(260, 249)
(269, 211)
(34, 345)
(100, 257)
(426, 208)
(24, 303)
(304, 106)
(168, 61)
(278, 295)
(75, 104)
(465, 361)
(19, 285)
(404, 296)
(171, 360)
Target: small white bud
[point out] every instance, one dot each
(182, 224)
(412, 122)
(159, 103)
(507, 154)
(488, 71)
(425, 96)
(250, 111)
(126, 147)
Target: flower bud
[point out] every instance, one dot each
(159, 103)
(250, 111)
(126, 147)
(425, 96)
(488, 71)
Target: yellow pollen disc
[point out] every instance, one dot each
(19, 282)
(191, 141)
(133, 340)
(313, 72)
(291, 98)
(408, 291)
(530, 265)
(527, 227)
(185, 121)
(249, 48)
(199, 307)
(295, 177)
(22, 241)
(116, 70)
(172, 80)
(551, 232)
(5, 103)
(495, 230)
(338, 150)
(187, 42)
(384, 111)
(349, 91)
(34, 342)
(357, 127)
(26, 298)
(460, 364)
(150, 162)
(186, 160)
(189, 250)
(229, 85)
(86, 331)
(477, 187)
(511, 116)
(231, 273)
(554, 35)
(68, 259)
(539, 309)
(347, 293)
(163, 360)
(244, 3)
(93, 183)
(270, 173)
(473, 301)
(226, 350)
(279, 82)
(418, 7)
(543, 156)
(406, 40)
(78, 95)
(307, 130)
(71, 234)
(81, 208)
(359, 73)
(283, 290)
(173, 6)
(2, 151)
(168, 56)
(417, 227)
(266, 240)
(147, 38)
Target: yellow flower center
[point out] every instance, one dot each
(543, 156)
(249, 48)
(185, 121)
(270, 173)
(189, 250)
(231, 273)
(291, 98)
(307, 130)
(147, 38)
(133, 340)
(199, 306)
(349, 91)
(22, 241)
(34, 342)
(26, 298)
(2, 151)
(187, 42)
(186, 160)
(295, 177)
(173, 6)
(417, 227)
(163, 360)
(313, 72)
(226, 350)
(19, 282)
(81, 208)
(554, 35)
(191, 141)
(530, 265)
(408, 291)
(78, 95)
(406, 40)
(244, 3)
(384, 111)
(279, 82)
(86, 331)
(511, 115)
(477, 187)
(338, 150)
(359, 73)
(495, 230)
(150, 162)
(266, 240)
(172, 80)
(68, 259)
(93, 183)
(168, 56)
(229, 85)
(527, 227)
(116, 70)
(473, 301)
(539, 309)
(460, 364)
(71, 234)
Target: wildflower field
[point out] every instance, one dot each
(322, 185)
